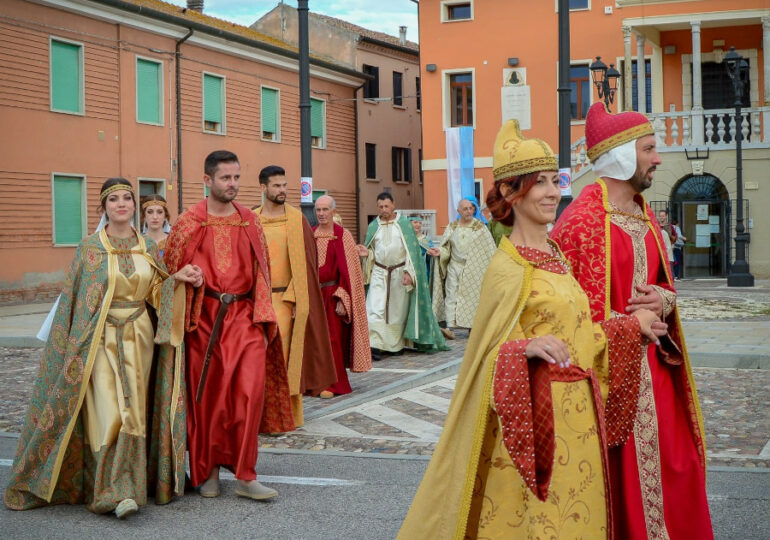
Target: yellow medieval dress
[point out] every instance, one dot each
(523, 451)
(119, 426)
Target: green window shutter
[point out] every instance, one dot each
(212, 98)
(316, 118)
(65, 76)
(269, 110)
(148, 91)
(68, 209)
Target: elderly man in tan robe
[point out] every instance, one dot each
(462, 256)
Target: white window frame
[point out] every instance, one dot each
(81, 67)
(222, 131)
(321, 146)
(446, 4)
(277, 135)
(446, 94)
(556, 7)
(83, 207)
(161, 90)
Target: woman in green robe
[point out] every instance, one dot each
(106, 421)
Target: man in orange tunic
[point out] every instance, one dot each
(296, 292)
(236, 379)
(612, 240)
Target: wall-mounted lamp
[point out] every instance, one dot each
(430, 67)
(513, 61)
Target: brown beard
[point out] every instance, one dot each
(639, 181)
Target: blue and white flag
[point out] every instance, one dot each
(459, 166)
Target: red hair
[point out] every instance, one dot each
(500, 208)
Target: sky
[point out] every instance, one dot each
(382, 15)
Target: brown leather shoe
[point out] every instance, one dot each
(326, 394)
(447, 333)
(255, 490)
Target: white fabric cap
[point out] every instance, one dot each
(618, 163)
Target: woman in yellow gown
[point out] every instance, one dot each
(106, 420)
(542, 390)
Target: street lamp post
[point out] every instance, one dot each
(739, 275)
(606, 80)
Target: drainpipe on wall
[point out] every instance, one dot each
(358, 163)
(177, 58)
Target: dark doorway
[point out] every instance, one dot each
(717, 93)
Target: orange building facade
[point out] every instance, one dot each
(484, 61)
(89, 91)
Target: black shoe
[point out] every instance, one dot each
(376, 355)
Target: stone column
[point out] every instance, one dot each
(641, 76)
(766, 71)
(697, 92)
(628, 96)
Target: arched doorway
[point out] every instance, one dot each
(701, 204)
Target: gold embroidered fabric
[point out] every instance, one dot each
(223, 247)
(669, 299)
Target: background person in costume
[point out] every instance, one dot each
(610, 237)
(296, 293)
(427, 251)
(84, 439)
(155, 220)
(342, 288)
(236, 377)
(524, 443)
(398, 300)
(464, 254)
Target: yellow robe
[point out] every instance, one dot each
(284, 302)
(472, 487)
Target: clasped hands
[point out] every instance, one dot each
(555, 351)
(190, 273)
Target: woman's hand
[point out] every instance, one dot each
(339, 309)
(651, 325)
(549, 348)
(191, 274)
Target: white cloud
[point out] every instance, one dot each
(386, 17)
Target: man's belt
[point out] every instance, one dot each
(329, 283)
(225, 300)
(279, 289)
(389, 270)
(140, 307)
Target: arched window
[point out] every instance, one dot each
(704, 187)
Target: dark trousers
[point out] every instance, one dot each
(678, 262)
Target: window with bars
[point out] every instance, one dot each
(149, 91)
(371, 161)
(372, 86)
(647, 85)
(461, 99)
(398, 89)
(66, 72)
(213, 103)
(418, 88)
(318, 123)
(269, 109)
(68, 210)
(580, 91)
(402, 164)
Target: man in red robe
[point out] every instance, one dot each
(614, 244)
(236, 378)
(342, 289)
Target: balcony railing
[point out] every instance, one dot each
(677, 130)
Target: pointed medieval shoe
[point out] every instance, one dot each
(254, 490)
(447, 333)
(209, 488)
(125, 508)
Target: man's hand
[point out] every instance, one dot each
(190, 274)
(650, 299)
(433, 252)
(362, 250)
(339, 309)
(406, 280)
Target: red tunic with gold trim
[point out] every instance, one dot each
(658, 473)
(339, 272)
(246, 389)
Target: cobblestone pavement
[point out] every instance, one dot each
(409, 421)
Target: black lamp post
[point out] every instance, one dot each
(605, 80)
(739, 275)
(305, 142)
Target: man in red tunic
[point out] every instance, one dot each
(614, 244)
(236, 378)
(342, 289)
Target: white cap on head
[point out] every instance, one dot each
(618, 163)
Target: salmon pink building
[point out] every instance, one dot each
(143, 89)
(484, 61)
